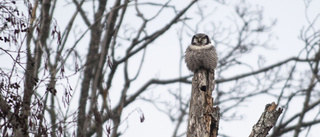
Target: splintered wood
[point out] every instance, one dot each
(203, 117)
(267, 120)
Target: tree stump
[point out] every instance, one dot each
(203, 117)
(267, 120)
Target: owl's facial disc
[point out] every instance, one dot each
(204, 41)
(200, 39)
(194, 40)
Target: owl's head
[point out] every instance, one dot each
(200, 39)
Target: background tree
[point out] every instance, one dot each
(83, 67)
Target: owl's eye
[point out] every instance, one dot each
(204, 41)
(194, 40)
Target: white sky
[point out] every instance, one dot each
(162, 61)
(290, 15)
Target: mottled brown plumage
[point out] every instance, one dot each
(201, 54)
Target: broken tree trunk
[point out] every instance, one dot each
(267, 120)
(203, 117)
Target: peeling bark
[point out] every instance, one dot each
(203, 117)
(267, 120)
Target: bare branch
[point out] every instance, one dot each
(262, 70)
(151, 82)
(152, 37)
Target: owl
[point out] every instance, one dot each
(201, 54)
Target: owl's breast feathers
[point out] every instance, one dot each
(201, 57)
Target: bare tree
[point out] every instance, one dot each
(46, 69)
(52, 60)
(266, 80)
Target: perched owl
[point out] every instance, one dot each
(201, 54)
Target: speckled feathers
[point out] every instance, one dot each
(201, 54)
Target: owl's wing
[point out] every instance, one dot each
(188, 50)
(187, 54)
(189, 59)
(213, 57)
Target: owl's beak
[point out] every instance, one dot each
(199, 40)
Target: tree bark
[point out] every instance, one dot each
(267, 120)
(92, 56)
(203, 117)
(33, 66)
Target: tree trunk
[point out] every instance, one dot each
(203, 117)
(267, 120)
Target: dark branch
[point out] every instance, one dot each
(262, 70)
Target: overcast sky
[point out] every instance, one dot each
(290, 16)
(163, 58)
(162, 61)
